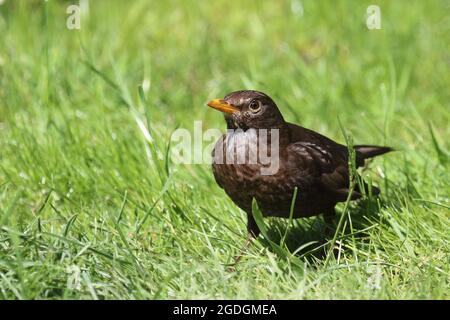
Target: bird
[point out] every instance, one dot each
(311, 164)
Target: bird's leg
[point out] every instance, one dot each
(329, 217)
(252, 227)
(253, 232)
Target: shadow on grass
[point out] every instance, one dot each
(309, 238)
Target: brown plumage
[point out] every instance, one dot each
(313, 163)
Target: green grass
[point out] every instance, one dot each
(84, 200)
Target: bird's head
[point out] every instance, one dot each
(247, 109)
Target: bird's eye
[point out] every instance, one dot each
(254, 106)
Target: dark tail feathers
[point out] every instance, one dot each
(368, 151)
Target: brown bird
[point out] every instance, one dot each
(299, 157)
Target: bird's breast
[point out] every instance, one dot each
(237, 168)
(237, 147)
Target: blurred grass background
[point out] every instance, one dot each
(86, 213)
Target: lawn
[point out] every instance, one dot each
(93, 206)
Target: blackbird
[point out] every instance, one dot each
(314, 164)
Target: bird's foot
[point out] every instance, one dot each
(237, 258)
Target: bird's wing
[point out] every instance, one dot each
(337, 150)
(324, 167)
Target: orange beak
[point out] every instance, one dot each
(222, 106)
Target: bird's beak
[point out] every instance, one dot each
(222, 106)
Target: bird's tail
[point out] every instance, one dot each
(368, 151)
